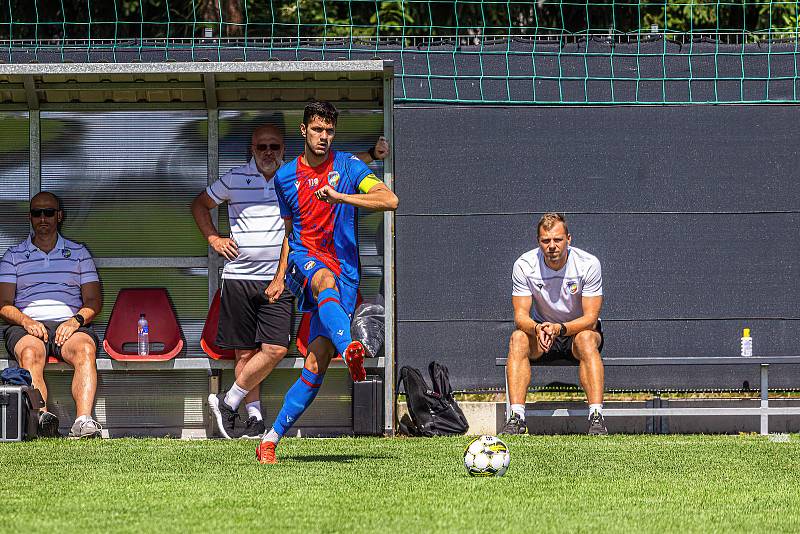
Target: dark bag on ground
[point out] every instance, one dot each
(19, 412)
(19, 405)
(433, 412)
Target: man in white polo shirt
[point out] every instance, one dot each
(49, 293)
(557, 296)
(255, 308)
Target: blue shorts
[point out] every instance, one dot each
(300, 270)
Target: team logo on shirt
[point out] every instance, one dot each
(297, 184)
(309, 264)
(572, 287)
(66, 253)
(333, 178)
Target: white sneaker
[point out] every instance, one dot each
(86, 428)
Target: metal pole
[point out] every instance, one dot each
(388, 256)
(212, 175)
(35, 152)
(764, 399)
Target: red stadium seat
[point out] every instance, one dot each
(164, 329)
(207, 339)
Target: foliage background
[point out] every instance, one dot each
(156, 19)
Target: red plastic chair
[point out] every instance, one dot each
(164, 328)
(209, 336)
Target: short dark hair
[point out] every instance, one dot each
(318, 108)
(549, 220)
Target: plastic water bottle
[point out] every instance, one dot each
(747, 344)
(143, 336)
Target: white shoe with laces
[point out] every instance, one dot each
(85, 428)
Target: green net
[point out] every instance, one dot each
(455, 51)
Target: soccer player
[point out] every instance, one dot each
(318, 196)
(255, 310)
(557, 296)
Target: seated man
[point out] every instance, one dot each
(564, 286)
(49, 293)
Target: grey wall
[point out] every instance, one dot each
(692, 210)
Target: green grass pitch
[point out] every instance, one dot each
(555, 484)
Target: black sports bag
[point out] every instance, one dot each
(434, 412)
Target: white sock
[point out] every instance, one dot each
(518, 409)
(271, 436)
(254, 410)
(82, 418)
(595, 408)
(234, 396)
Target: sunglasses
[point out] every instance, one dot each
(272, 146)
(47, 212)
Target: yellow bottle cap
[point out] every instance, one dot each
(746, 332)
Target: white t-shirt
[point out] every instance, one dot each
(557, 294)
(48, 285)
(255, 219)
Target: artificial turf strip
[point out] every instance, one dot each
(554, 484)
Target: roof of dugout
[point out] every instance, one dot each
(192, 85)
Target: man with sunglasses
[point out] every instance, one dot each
(49, 293)
(253, 321)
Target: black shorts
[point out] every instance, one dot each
(14, 333)
(247, 319)
(562, 349)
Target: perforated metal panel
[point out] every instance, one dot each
(127, 178)
(137, 402)
(14, 190)
(331, 409)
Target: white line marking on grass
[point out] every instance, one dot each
(779, 438)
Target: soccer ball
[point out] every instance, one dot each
(486, 456)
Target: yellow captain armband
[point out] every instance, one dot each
(368, 183)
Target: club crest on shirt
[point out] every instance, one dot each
(572, 287)
(309, 264)
(333, 178)
(66, 253)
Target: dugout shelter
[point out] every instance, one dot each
(127, 145)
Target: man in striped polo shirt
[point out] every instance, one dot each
(255, 308)
(49, 293)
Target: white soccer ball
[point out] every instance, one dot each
(486, 456)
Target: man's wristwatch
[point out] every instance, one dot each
(78, 317)
(563, 331)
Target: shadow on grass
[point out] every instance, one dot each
(338, 458)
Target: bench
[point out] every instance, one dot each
(168, 398)
(764, 410)
(190, 363)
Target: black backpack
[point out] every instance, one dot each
(434, 412)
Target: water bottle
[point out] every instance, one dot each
(747, 344)
(143, 336)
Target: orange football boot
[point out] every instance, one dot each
(265, 452)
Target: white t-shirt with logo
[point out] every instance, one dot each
(557, 294)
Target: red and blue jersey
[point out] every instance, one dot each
(327, 232)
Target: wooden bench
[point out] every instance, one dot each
(764, 410)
